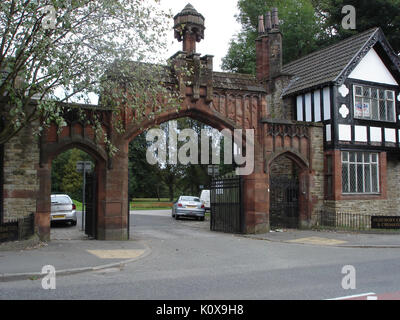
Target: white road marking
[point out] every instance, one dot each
(354, 296)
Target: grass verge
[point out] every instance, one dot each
(141, 204)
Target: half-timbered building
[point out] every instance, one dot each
(352, 89)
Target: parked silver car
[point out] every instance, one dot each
(63, 209)
(189, 207)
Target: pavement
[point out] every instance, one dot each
(68, 257)
(70, 252)
(331, 238)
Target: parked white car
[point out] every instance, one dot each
(63, 209)
(205, 198)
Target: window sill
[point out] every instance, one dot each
(360, 194)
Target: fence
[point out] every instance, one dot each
(17, 229)
(347, 220)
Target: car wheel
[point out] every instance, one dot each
(73, 223)
(202, 218)
(176, 217)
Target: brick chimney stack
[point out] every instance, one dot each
(269, 47)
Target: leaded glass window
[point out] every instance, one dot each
(374, 104)
(360, 172)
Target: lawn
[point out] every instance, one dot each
(78, 205)
(141, 204)
(151, 204)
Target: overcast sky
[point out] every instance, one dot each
(220, 25)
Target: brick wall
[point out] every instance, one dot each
(317, 171)
(21, 159)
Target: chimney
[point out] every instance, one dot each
(261, 28)
(275, 18)
(262, 49)
(275, 44)
(269, 47)
(268, 23)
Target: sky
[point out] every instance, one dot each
(220, 24)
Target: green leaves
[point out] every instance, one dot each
(66, 63)
(298, 24)
(369, 14)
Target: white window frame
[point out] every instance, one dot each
(386, 99)
(346, 165)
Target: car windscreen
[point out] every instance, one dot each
(190, 199)
(60, 200)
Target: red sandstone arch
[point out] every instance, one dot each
(221, 100)
(254, 185)
(302, 164)
(48, 153)
(292, 154)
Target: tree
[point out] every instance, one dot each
(64, 176)
(144, 179)
(72, 180)
(58, 171)
(54, 51)
(299, 25)
(369, 14)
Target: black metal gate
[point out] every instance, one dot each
(284, 202)
(227, 214)
(91, 205)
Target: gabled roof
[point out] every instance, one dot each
(335, 63)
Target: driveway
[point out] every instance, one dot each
(188, 261)
(64, 231)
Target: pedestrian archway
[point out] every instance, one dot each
(71, 150)
(288, 189)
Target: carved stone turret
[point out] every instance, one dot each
(189, 28)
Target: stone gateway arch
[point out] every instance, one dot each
(221, 100)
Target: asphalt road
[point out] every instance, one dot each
(190, 262)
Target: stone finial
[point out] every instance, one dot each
(189, 28)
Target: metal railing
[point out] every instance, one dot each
(17, 229)
(344, 220)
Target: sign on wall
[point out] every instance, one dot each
(385, 222)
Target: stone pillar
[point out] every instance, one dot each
(43, 203)
(113, 220)
(256, 197)
(256, 203)
(305, 199)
